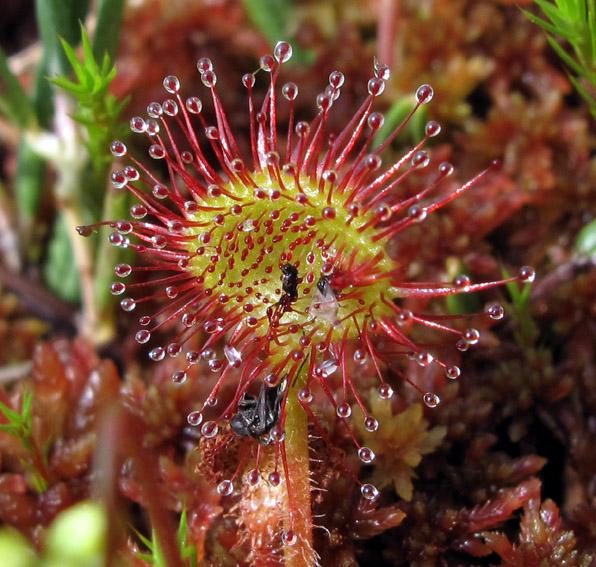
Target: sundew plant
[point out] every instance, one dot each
(274, 277)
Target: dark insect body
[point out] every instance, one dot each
(257, 417)
(290, 282)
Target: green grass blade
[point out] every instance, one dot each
(550, 28)
(108, 29)
(572, 63)
(59, 18)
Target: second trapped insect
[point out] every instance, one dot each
(256, 417)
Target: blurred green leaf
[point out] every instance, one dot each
(527, 331)
(272, 18)
(61, 273)
(14, 102)
(395, 116)
(78, 536)
(460, 303)
(107, 31)
(586, 240)
(15, 549)
(28, 184)
(59, 18)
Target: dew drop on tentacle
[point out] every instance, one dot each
(209, 429)
(253, 477)
(204, 64)
(371, 424)
(123, 270)
(424, 359)
(171, 84)
(432, 128)
(471, 336)
(117, 288)
(157, 152)
(527, 274)
(143, 336)
(128, 304)
(267, 63)
(138, 125)
(382, 71)
(462, 282)
(289, 91)
(375, 121)
(248, 80)
(85, 230)
(304, 395)
(369, 491)
(431, 400)
(343, 410)
(160, 191)
(157, 354)
(417, 213)
(420, 159)
(424, 94)
(366, 455)
(277, 434)
(445, 169)
(118, 179)
(194, 418)
(274, 478)
(404, 318)
(131, 173)
(282, 51)
(496, 312)
(225, 487)
(215, 365)
(118, 149)
(209, 78)
(179, 377)
(138, 212)
(154, 110)
(385, 391)
(193, 357)
(170, 107)
(152, 127)
(288, 537)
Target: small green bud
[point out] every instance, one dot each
(15, 550)
(78, 536)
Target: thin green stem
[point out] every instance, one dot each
(298, 511)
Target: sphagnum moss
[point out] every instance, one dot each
(276, 265)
